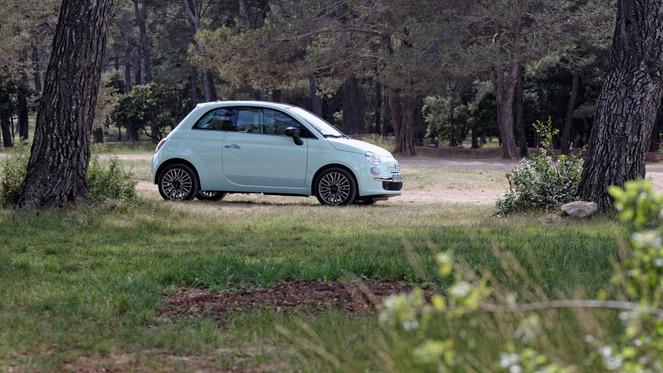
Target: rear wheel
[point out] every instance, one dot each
(178, 182)
(206, 195)
(335, 187)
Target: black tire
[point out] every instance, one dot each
(205, 195)
(178, 182)
(335, 187)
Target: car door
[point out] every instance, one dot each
(259, 153)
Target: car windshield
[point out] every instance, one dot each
(325, 129)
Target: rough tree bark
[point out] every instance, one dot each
(60, 156)
(627, 106)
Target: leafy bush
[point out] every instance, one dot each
(544, 181)
(106, 180)
(110, 181)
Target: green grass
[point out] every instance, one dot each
(82, 287)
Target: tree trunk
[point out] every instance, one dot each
(23, 110)
(316, 102)
(194, 87)
(5, 126)
(98, 135)
(127, 66)
(141, 21)
(655, 141)
(628, 102)
(568, 121)
(505, 88)
(57, 169)
(378, 108)
(191, 7)
(520, 121)
(353, 108)
(36, 67)
(403, 121)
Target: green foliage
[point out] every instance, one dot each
(154, 105)
(445, 118)
(635, 295)
(109, 180)
(543, 182)
(13, 167)
(106, 179)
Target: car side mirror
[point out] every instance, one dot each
(294, 133)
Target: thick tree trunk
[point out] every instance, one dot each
(568, 121)
(627, 106)
(403, 121)
(57, 169)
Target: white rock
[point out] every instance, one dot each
(580, 209)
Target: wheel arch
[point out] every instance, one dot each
(327, 167)
(172, 162)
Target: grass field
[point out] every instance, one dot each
(81, 289)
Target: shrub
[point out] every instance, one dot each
(110, 181)
(106, 180)
(13, 167)
(543, 182)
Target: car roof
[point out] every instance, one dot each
(245, 103)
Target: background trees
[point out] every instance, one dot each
(364, 65)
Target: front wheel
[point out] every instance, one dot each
(335, 187)
(206, 195)
(178, 182)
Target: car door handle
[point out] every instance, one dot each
(232, 146)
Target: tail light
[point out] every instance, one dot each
(161, 143)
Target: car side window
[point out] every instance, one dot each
(275, 122)
(218, 119)
(249, 120)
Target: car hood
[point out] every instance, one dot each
(357, 146)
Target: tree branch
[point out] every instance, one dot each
(582, 303)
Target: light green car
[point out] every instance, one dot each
(262, 147)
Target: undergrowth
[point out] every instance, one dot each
(106, 179)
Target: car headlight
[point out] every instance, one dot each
(373, 158)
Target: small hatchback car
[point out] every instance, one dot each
(262, 147)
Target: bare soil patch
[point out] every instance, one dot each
(308, 297)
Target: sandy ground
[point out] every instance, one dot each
(477, 196)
